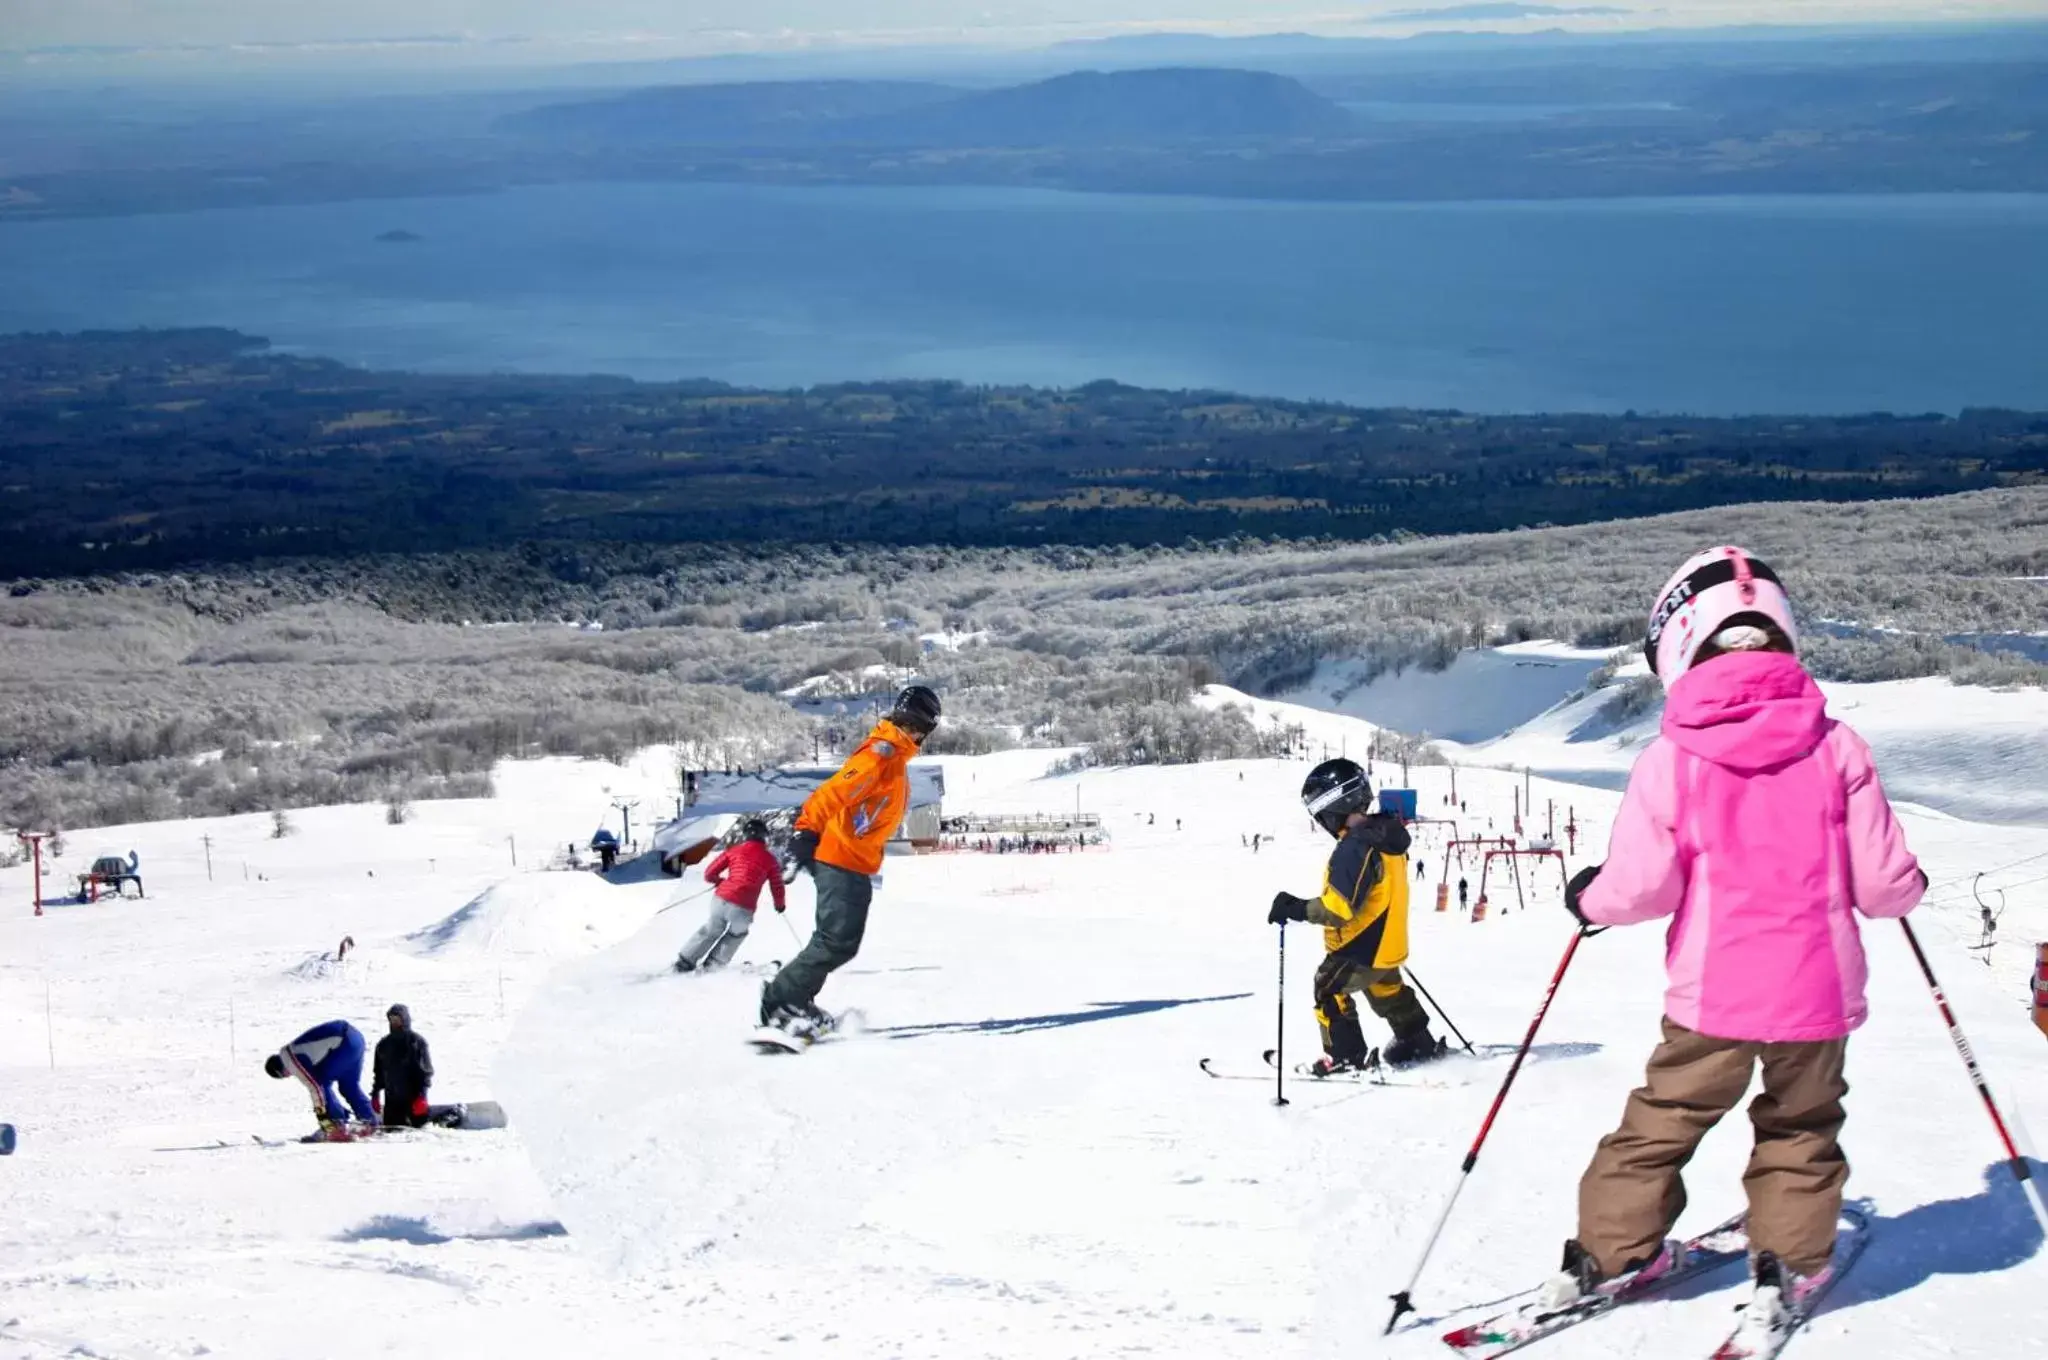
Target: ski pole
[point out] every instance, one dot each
(690, 897)
(792, 932)
(1448, 1022)
(1403, 1303)
(2023, 1173)
(1280, 1027)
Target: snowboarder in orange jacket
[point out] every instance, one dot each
(839, 838)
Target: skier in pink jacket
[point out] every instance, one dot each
(1757, 825)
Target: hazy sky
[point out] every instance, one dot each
(730, 24)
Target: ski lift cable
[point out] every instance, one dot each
(1965, 899)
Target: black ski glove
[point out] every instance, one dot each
(1287, 907)
(803, 849)
(1573, 890)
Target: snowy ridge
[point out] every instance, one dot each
(1966, 750)
(555, 916)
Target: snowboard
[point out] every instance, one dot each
(474, 1114)
(6, 1140)
(769, 1039)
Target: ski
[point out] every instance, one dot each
(1346, 1079)
(1528, 1322)
(1849, 1244)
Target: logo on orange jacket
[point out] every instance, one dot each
(868, 814)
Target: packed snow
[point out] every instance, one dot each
(1017, 1156)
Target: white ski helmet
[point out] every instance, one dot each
(1708, 594)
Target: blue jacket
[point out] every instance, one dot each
(321, 1057)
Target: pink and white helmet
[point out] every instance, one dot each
(1698, 602)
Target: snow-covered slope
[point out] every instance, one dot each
(1019, 1159)
(1483, 694)
(1969, 751)
(1019, 1156)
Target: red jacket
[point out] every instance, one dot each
(745, 868)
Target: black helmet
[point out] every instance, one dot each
(274, 1065)
(1333, 791)
(916, 711)
(753, 829)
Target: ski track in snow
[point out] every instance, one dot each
(1019, 1158)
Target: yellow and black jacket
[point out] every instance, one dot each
(1364, 907)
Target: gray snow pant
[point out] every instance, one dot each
(721, 935)
(843, 898)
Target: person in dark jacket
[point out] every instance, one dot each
(1363, 910)
(401, 1073)
(739, 874)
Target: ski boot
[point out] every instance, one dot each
(1578, 1279)
(683, 964)
(1327, 1066)
(1778, 1302)
(1413, 1049)
(802, 1022)
(816, 1022)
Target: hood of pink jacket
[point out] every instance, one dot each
(1747, 711)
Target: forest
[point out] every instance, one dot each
(156, 449)
(140, 695)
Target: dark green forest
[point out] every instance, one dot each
(164, 448)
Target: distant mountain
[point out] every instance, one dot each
(1119, 108)
(755, 113)
(1162, 106)
(1154, 44)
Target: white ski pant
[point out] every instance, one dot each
(721, 935)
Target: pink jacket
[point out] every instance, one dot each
(1757, 823)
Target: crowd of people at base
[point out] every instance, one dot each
(1020, 845)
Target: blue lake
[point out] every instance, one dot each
(1719, 305)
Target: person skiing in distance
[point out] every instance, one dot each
(401, 1072)
(323, 1058)
(839, 837)
(1758, 825)
(1363, 911)
(738, 874)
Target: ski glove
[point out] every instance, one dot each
(803, 849)
(1573, 890)
(419, 1107)
(1287, 907)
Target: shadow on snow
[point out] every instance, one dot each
(1098, 1010)
(392, 1228)
(1980, 1234)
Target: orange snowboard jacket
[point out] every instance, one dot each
(856, 811)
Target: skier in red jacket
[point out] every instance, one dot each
(738, 874)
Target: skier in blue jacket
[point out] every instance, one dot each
(323, 1058)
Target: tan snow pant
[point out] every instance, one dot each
(1631, 1195)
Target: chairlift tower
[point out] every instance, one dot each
(34, 841)
(625, 808)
